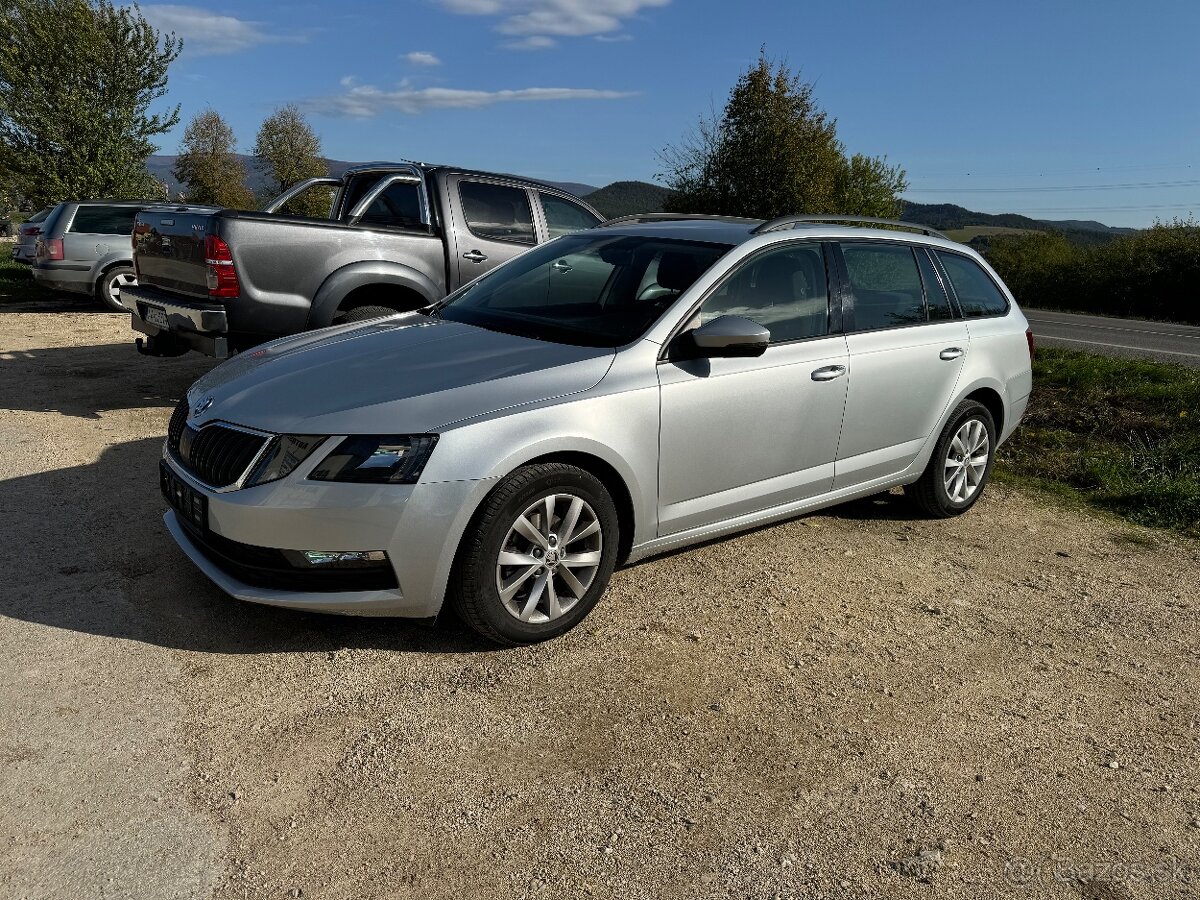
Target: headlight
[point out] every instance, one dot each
(379, 459)
(283, 454)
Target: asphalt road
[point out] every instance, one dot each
(1117, 337)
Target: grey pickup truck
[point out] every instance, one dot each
(400, 236)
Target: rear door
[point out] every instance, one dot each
(97, 230)
(493, 222)
(907, 348)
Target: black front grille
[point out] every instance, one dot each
(175, 428)
(217, 454)
(269, 568)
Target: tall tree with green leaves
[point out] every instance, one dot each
(77, 80)
(774, 151)
(208, 165)
(287, 150)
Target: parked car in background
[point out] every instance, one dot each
(25, 248)
(399, 237)
(84, 248)
(617, 393)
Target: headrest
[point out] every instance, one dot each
(677, 271)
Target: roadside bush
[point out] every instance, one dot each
(1152, 274)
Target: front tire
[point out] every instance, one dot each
(108, 288)
(960, 465)
(538, 555)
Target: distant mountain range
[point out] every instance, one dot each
(624, 198)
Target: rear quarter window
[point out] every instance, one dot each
(977, 294)
(104, 220)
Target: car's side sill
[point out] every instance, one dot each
(766, 516)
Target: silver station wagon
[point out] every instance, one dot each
(612, 394)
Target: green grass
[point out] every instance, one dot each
(16, 280)
(1122, 435)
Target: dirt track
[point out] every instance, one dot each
(855, 704)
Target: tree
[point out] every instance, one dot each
(77, 78)
(208, 165)
(773, 151)
(287, 150)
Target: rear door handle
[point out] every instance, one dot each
(952, 353)
(475, 256)
(828, 373)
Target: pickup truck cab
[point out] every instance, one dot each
(400, 236)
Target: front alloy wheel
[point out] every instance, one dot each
(538, 555)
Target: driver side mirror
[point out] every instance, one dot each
(728, 336)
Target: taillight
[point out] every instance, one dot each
(50, 250)
(30, 230)
(1029, 340)
(221, 275)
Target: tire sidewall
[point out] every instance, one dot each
(481, 567)
(966, 411)
(107, 279)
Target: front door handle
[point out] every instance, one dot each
(952, 353)
(475, 256)
(828, 373)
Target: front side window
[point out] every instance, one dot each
(885, 283)
(784, 290)
(977, 293)
(103, 220)
(565, 217)
(496, 212)
(588, 289)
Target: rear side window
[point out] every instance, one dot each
(565, 217)
(397, 207)
(495, 212)
(977, 293)
(886, 285)
(104, 220)
(936, 299)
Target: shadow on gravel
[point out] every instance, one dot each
(86, 381)
(892, 507)
(87, 551)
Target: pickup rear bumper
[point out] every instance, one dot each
(202, 327)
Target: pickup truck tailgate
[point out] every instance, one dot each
(168, 247)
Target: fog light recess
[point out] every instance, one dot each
(337, 559)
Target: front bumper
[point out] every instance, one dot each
(419, 526)
(199, 326)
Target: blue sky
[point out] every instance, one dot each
(1053, 109)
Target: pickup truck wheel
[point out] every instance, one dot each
(108, 288)
(362, 313)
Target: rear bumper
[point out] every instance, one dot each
(200, 326)
(69, 277)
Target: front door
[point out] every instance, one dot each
(493, 223)
(740, 435)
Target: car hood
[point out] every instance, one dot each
(403, 375)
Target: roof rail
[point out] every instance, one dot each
(788, 221)
(640, 218)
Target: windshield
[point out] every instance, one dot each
(587, 289)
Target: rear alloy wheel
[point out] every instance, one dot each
(538, 556)
(108, 288)
(961, 463)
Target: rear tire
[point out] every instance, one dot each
(363, 313)
(960, 466)
(109, 285)
(538, 555)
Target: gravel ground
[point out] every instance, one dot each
(854, 704)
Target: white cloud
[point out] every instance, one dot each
(365, 101)
(533, 42)
(547, 19)
(206, 34)
(422, 58)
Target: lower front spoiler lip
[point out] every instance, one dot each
(347, 603)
